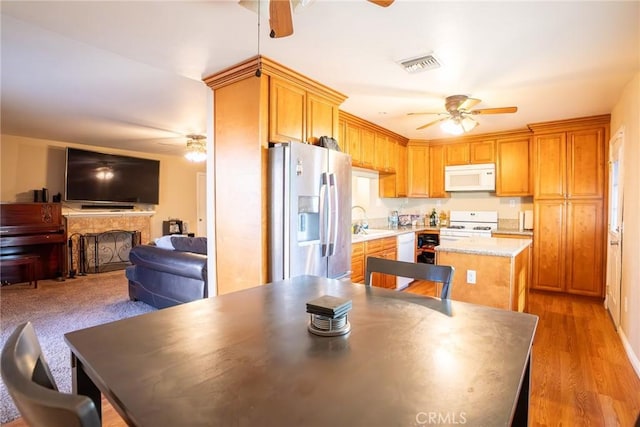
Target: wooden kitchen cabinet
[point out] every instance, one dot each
(418, 170)
(572, 164)
(569, 205)
(401, 171)
(353, 144)
(287, 111)
(470, 152)
(368, 147)
(382, 248)
(436, 171)
(381, 158)
(357, 262)
(296, 114)
(568, 246)
(321, 118)
(514, 166)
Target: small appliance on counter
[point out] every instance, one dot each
(525, 220)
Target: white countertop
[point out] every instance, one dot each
(495, 246)
(380, 233)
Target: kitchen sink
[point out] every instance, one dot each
(371, 233)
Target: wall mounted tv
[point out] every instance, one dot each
(108, 178)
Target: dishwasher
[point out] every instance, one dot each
(406, 252)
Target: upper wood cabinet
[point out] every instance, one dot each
(570, 164)
(373, 147)
(368, 147)
(322, 118)
(436, 171)
(401, 171)
(287, 111)
(418, 170)
(352, 144)
(513, 166)
(469, 152)
(395, 184)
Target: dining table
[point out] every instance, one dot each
(248, 358)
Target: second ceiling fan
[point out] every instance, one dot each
(280, 19)
(458, 117)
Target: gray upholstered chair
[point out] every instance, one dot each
(29, 381)
(419, 271)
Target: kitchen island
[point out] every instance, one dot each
(489, 271)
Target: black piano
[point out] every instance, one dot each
(37, 229)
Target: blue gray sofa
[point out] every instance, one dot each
(164, 277)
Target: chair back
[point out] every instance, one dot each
(28, 379)
(413, 270)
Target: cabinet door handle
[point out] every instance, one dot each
(613, 242)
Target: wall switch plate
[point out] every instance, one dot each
(512, 203)
(471, 277)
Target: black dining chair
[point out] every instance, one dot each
(413, 270)
(33, 389)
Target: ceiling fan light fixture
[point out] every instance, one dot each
(420, 63)
(196, 148)
(458, 125)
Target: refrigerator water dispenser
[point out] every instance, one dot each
(308, 218)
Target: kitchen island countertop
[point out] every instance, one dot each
(496, 246)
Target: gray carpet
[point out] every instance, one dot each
(56, 308)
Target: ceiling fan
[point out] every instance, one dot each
(458, 118)
(280, 19)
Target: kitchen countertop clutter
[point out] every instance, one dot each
(377, 233)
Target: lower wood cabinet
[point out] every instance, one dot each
(569, 247)
(381, 248)
(357, 262)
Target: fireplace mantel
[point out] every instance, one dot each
(96, 214)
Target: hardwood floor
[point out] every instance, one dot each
(580, 374)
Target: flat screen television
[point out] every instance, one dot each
(109, 178)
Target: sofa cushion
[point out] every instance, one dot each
(196, 245)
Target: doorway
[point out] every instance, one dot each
(201, 204)
(615, 226)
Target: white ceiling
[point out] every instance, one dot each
(129, 74)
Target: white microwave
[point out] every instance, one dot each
(481, 177)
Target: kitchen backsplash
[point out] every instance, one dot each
(365, 194)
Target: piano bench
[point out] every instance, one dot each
(30, 260)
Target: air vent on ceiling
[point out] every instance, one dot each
(421, 63)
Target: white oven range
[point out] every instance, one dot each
(464, 224)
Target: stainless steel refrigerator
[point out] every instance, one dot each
(310, 215)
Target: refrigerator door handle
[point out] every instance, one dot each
(324, 178)
(334, 213)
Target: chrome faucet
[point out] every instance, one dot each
(362, 225)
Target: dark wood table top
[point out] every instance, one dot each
(247, 359)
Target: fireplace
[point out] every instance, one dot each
(106, 251)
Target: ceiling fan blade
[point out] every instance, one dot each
(423, 113)
(280, 18)
(431, 123)
(469, 104)
(500, 110)
(383, 3)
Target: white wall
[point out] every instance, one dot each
(29, 163)
(626, 114)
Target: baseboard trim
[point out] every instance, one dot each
(635, 362)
